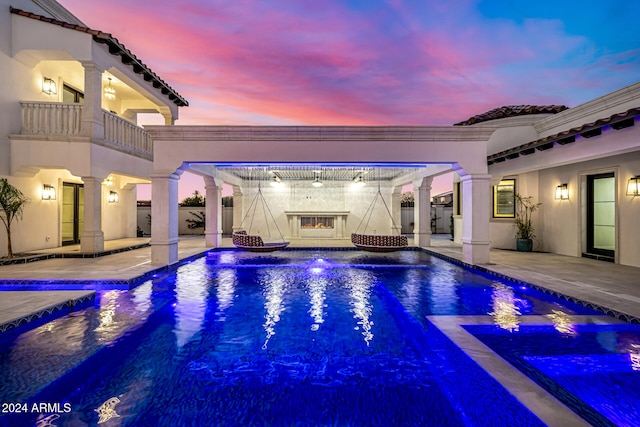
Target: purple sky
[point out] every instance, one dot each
(372, 62)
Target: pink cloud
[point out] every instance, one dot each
(397, 62)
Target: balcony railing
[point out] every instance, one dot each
(51, 118)
(127, 136)
(56, 119)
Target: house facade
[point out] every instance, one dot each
(69, 137)
(70, 140)
(582, 165)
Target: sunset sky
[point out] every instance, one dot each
(373, 62)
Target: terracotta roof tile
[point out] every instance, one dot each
(512, 111)
(616, 121)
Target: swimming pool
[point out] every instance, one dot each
(300, 338)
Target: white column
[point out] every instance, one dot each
(169, 120)
(237, 207)
(396, 209)
(164, 219)
(476, 207)
(422, 212)
(92, 119)
(213, 212)
(92, 237)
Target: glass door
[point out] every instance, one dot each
(72, 213)
(601, 216)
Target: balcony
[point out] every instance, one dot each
(56, 120)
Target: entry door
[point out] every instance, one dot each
(601, 216)
(72, 213)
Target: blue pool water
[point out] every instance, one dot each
(295, 338)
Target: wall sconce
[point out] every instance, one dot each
(49, 86)
(276, 182)
(48, 192)
(358, 181)
(109, 91)
(633, 188)
(113, 197)
(562, 192)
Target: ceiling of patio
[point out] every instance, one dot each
(327, 173)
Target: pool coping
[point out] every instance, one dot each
(48, 313)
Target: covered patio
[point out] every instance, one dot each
(206, 150)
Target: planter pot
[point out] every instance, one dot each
(524, 245)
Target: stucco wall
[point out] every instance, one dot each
(562, 221)
(560, 224)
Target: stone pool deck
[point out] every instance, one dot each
(603, 284)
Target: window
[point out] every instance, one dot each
(70, 94)
(504, 199)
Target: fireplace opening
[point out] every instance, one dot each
(316, 222)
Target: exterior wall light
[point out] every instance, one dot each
(109, 91)
(49, 86)
(317, 183)
(276, 182)
(48, 192)
(633, 188)
(359, 182)
(562, 192)
(113, 197)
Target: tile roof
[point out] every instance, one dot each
(115, 48)
(616, 121)
(512, 111)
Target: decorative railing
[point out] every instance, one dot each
(51, 118)
(127, 136)
(63, 120)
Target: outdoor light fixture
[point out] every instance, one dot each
(109, 91)
(633, 189)
(276, 182)
(562, 192)
(49, 86)
(358, 181)
(113, 197)
(48, 192)
(317, 183)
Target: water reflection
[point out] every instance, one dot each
(190, 306)
(225, 290)
(274, 287)
(562, 322)
(634, 356)
(411, 291)
(108, 304)
(142, 296)
(317, 295)
(505, 312)
(360, 284)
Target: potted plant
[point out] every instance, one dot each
(524, 208)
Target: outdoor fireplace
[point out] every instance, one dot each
(317, 224)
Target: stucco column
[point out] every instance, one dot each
(422, 211)
(213, 212)
(396, 209)
(92, 237)
(92, 119)
(237, 207)
(164, 219)
(476, 207)
(169, 120)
